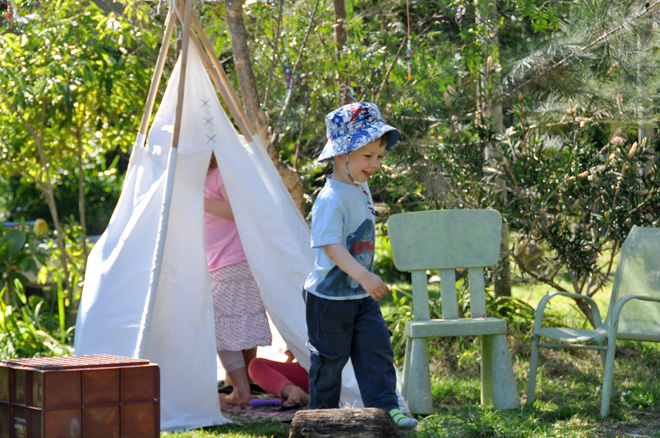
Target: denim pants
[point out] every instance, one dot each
(355, 329)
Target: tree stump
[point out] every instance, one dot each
(343, 423)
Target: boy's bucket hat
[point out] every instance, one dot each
(353, 126)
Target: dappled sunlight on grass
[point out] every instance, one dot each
(568, 393)
(564, 308)
(271, 429)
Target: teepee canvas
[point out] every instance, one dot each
(147, 290)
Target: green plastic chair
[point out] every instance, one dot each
(633, 312)
(447, 240)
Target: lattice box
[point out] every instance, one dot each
(94, 396)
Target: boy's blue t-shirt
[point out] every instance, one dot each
(342, 213)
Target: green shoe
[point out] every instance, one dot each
(402, 421)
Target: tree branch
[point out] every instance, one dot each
(287, 101)
(275, 53)
(536, 276)
(389, 70)
(564, 60)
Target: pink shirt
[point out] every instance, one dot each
(223, 244)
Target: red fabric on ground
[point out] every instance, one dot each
(272, 376)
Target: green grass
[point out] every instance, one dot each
(532, 294)
(567, 398)
(256, 429)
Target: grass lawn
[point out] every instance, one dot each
(567, 398)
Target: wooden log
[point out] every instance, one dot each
(343, 423)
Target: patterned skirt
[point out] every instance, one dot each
(240, 318)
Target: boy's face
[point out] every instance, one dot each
(362, 163)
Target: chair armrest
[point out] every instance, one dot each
(618, 307)
(540, 309)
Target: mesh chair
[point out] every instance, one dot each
(633, 312)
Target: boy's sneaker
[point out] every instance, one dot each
(402, 421)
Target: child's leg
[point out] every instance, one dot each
(373, 362)
(249, 355)
(275, 375)
(372, 358)
(330, 327)
(234, 365)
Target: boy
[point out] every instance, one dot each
(342, 292)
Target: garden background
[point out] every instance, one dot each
(545, 111)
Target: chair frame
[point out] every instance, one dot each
(603, 338)
(445, 227)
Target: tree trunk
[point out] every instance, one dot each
(81, 192)
(46, 185)
(250, 95)
(243, 63)
(343, 423)
(340, 39)
(485, 14)
(502, 273)
(586, 310)
(646, 130)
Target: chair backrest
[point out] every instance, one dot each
(446, 240)
(638, 273)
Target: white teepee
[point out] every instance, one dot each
(147, 290)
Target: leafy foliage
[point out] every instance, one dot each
(20, 254)
(46, 313)
(68, 80)
(26, 326)
(541, 110)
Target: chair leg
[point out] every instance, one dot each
(418, 382)
(498, 383)
(608, 378)
(533, 362)
(603, 353)
(406, 369)
(487, 377)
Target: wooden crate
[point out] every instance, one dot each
(94, 396)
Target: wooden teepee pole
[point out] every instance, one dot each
(236, 111)
(158, 72)
(154, 280)
(224, 80)
(182, 74)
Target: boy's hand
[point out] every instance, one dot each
(371, 282)
(374, 286)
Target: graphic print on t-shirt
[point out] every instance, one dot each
(361, 245)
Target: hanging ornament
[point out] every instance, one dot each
(347, 90)
(409, 51)
(460, 11)
(9, 15)
(287, 73)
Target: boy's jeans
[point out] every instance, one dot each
(355, 329)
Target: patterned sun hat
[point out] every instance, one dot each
(353, 126)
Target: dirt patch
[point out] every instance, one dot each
(646, 424)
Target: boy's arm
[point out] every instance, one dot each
(221, 209)
(371, 282)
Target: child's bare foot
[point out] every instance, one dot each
(233, 399)
(292, 394)
(223, 402)
(240, 394)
